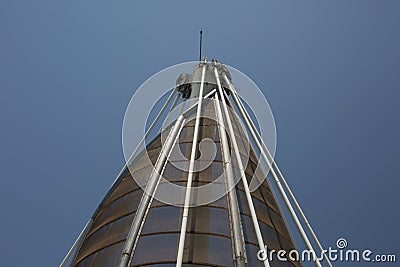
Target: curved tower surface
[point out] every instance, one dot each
(225, 225)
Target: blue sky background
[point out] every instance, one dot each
(329, 69)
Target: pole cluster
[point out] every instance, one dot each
(221, 96)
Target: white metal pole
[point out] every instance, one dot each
(242, 170)
(125, 168)
(148, 195)
(182, 106)
(238, 241)
(190, 175)
(275, 177)
(76, 243)
(210, 93)
(177, 136)
(206, 96)
(172, 107)
(114, 184)
(154, 192)
(286, 185)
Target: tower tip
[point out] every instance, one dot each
(201, 40)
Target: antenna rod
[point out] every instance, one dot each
(201, 41)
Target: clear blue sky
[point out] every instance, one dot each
(329, 69)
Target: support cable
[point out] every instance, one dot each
(242, 171)
(257, 138)
(151, 200)
(172, 107)
(149, 193)
(77, 242)
(237, 232)
(116, 182)
(182, 236)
